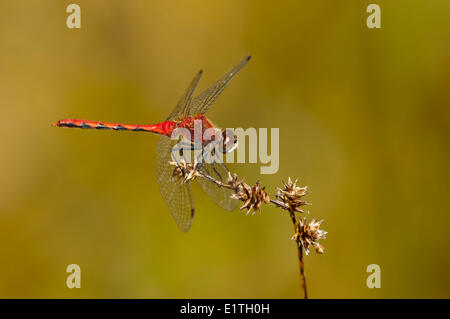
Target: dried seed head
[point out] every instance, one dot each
(291, 196)
(184, 172)
(309, 235)
(252, 197)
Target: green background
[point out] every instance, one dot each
(364, 122)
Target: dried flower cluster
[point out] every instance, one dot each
(309, 234)
(185, 172)
(252, 197)
(291, 195)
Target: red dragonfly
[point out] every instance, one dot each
(178, 196)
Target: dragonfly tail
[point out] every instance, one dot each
(84, 124)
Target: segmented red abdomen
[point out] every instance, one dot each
(164, 128)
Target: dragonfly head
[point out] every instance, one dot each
(230, 141)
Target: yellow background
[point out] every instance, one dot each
(364, 122)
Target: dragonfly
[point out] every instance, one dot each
(188, 111)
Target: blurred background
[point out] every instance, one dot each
(364, 121)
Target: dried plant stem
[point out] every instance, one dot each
(300, 256)
(302, 271)
(215, 181)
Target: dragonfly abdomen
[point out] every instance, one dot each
(160, 128)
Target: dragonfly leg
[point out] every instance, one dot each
(181, 147)
(215, 170)
(213, 164)
(225, 167)
(202, 167)
(200, 160)
(173, 153)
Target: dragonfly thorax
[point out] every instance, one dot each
(199, 126)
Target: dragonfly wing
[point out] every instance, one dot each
(177, 195)
(203, 102)
(183, 104)
(220, 195)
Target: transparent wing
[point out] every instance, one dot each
(183, 104)
(203, 102)
(220, 195)
(177, 196)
